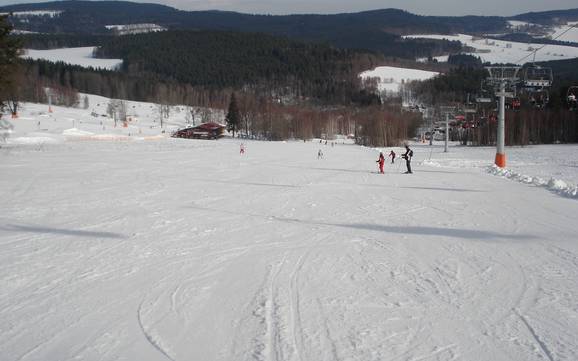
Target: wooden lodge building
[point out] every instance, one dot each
(203, 131)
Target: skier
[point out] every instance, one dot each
(381, 161)
(392, 156)
(407, 156)
(319, 154)
(242, 149)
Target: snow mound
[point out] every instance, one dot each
(75, 132)
(555, 185)
(33, 139)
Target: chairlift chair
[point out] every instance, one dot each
(538, 77)
(539, 99)
(537, 80)
(513, 103)
(572, 98)
(485, 95)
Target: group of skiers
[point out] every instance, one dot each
(407, 156)
(381, 161)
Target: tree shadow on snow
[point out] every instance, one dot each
(433, 231)
(65, 232)
(420, 170)
(415, 230)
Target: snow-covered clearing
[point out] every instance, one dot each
(391, 78)
(184, 250)
(75, 56)
(568, 32)
(136, 28)
(31, 13)
(517, 24)
(498, 51)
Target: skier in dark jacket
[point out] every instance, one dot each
(407, 156)
(381, 161)
(392, 156)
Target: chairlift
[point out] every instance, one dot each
(538, 77)
(539, 98)
(572, 98)
(469, 106)
(513, 103)
(537, 80)
(485, 95)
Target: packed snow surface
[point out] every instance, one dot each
(391, 78)
(499, 51)
(179, 249)
(75, 56)
(554, 167)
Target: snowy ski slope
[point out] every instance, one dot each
(391, 78)
(36, 125)
(175, 249)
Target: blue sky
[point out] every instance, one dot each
(424, 7)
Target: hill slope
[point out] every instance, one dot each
(184, 250)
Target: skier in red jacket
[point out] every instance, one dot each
(381, 161)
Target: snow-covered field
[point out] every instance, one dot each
(75, 56)
(568, 32)
(498, 51)
(184, 250)
(391, 78)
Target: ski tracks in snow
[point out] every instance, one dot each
(279, 302)
(152, 340)
(297, 328)
(284, 338)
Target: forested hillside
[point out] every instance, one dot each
(202, 67)
(377, 30)
(239, 60)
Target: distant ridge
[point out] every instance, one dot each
(374, 30)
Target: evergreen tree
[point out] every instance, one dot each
(9, 49)
(233, 118)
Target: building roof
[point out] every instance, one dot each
(209, 126)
